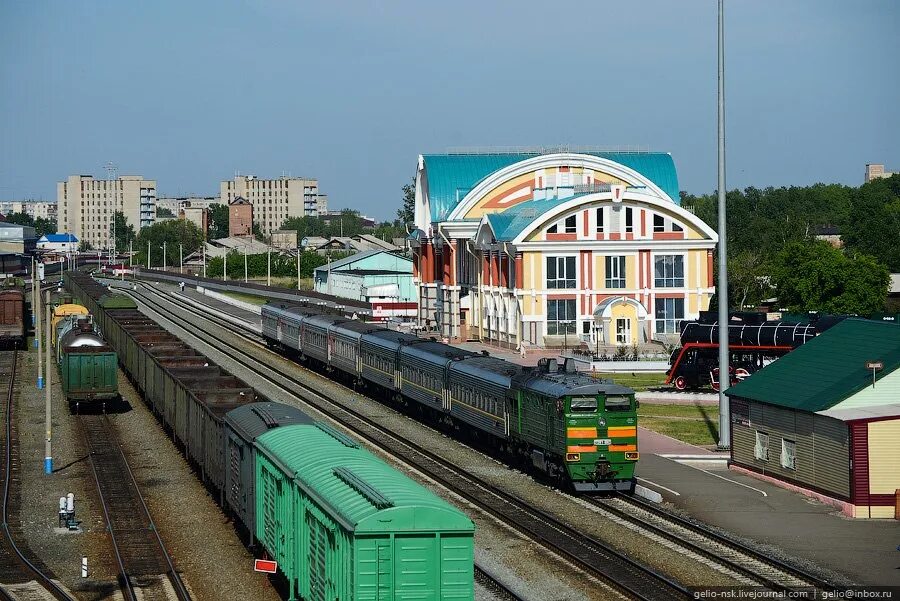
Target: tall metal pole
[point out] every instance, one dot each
(164, 255)
(148, 254)
(722, 289)
(225, 265)
(48, 455)
(130, 254)
(181, 258)
(298, 268)
(204, 258)
(33, 288)
(245, 263)
(36, 300)
(269, 268)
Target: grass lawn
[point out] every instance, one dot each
(693, 424)
(247, 298)
(638, 381)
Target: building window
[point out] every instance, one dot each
(552, 229)
(669, 313)
(560, 272)
(669, 271)
(659, 223)
(629, 221)
(571, 226)
(600, 220)
(788, 454)
(560, 317)
(761, 451)
(615, 272)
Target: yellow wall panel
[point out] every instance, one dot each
(693, 304)
(884, 457)
(599, 271)
(631, 274)
(696, 260)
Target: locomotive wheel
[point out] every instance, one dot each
(680, 383)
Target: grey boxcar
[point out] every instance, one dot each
(242, 426)
(480, 392)
(423, 370)
(381, 357)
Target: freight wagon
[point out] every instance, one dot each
(12, 317)
(340, 522)
(572, 427)
(88, 367)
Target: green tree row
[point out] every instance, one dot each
(257, 265)
(773, 251)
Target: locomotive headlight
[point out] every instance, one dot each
(601, 422)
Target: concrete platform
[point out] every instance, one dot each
(863, 551)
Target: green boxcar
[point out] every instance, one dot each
(89, 374)
(344, 525)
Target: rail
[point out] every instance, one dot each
(629, 576)
(140, 553)
(15, 563)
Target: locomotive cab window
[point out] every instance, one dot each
(617, 403)
(587, 404)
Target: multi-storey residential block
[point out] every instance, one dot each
(86, 206)
(275, 200)
(874, 171)
(36, 209)
(550, 249)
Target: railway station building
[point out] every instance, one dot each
(825, 419)
(557, 248)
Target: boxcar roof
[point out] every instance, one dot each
(255, 419)
(359, 491)
(357, 327)
(435, 351)
(490, 368)
(389, 338)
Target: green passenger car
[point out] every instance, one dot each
(344, 525)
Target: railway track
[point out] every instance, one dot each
(754, 567)
(145, 568)
(592, 556)
(22, 576)
(491, 583)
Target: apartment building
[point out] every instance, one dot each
(33, 208)
(275, 200)
(86, 206)
(875, 171)
(178, 203)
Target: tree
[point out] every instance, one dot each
(164, 212)
(875, 224)
(84, 246)
(746, 280)
(123, 230)
(814, 276)
(407, 213)
(44, 226)
(173, 233)
(218, 221)
(257, 265)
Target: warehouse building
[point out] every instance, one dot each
(544, 248)
(15, 238)
(825, 418)
(380, 278)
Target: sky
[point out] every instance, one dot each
(351, 92)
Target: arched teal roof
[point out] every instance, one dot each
(359, 490)
(452, 176)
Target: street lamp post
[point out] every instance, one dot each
(269, 268)
(164, 255)
(225, 265)
(181, 259)
(722, 289)
(48, 456)
(245, 263)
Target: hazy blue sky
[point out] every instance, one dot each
(187, 92)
